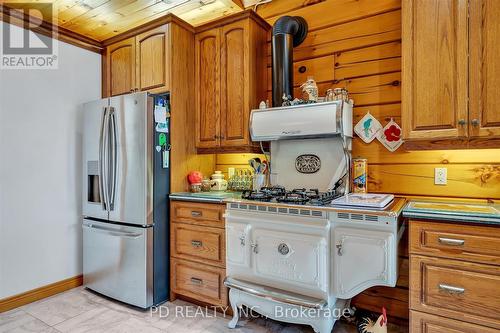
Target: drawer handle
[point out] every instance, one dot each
(197, 243)
(451, 241)
(451, 289)
(196, 213)
(196, 281)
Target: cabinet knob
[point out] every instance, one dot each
(475, 122)
(461, 122)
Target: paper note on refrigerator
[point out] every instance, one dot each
(160, 114)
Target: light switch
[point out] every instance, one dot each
(440, 176)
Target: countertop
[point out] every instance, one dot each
(462, 212)
(213, 197)
(394, 209)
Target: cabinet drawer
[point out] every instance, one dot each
(455, 241)
(198, 213)
(426, 323)
(200, 282)
(203, 244)
(456, 289)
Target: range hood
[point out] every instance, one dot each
(317, 120)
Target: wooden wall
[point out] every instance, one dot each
(356, 44)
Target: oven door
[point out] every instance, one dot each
(362, 259)
(237, 245)
(291, 258)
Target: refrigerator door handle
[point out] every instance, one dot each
(103, 188)
(112, 232)
(113, 153)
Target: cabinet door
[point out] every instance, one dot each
(238, 244)
(120, 65)
(235, 107)
(427, 323)
(151, 59)
(207, 49)
(434, 95)
(362, 259)
(484, 102)
(296, 260)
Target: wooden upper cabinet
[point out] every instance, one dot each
(484, 86)
(152, 60)
(231, 80)
(235, 106)
(207, 75)
(435, 69)
(120, 67)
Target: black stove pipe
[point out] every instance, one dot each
(288, 32)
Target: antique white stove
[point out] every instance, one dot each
(291, 256)
(303, 264)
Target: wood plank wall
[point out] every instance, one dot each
(356, 44)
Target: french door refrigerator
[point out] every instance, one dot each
(125, 189)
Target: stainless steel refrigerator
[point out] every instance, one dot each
(125, 204)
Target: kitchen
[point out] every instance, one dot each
(207, 67)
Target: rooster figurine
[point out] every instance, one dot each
(367, 325)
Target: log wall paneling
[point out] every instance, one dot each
(363, 38)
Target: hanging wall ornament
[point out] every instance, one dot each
(390, 136)
(367, 128)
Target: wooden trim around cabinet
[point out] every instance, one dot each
(233, 18)
(46, 28)
(170, 18)
(438, 144)
(16, 301)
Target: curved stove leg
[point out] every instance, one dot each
(234, 305)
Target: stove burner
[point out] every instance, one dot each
(298, 196)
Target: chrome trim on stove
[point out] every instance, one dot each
(276, 295)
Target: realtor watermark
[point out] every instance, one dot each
(27, 41)
(279, 312)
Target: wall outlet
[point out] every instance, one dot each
(440, 176)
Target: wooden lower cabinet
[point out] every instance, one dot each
(427, 323)
(454, 277)
(459, 290)
(200, 282)
(198, 252)
(202, 244)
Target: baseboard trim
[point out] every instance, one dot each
(15, 301)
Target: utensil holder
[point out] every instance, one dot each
(259, 181)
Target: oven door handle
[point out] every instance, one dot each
(275, 294)
(111, 232)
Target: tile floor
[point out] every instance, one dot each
(80, 310)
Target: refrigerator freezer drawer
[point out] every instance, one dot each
(117, 261)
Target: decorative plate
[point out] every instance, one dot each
(307, 163)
